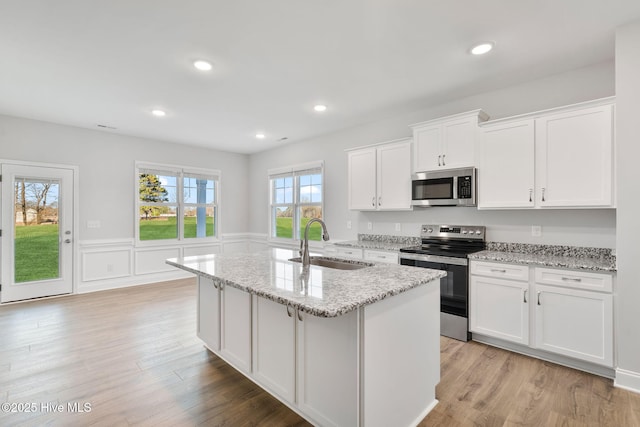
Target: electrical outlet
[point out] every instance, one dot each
(348, 225)
(369, 226)
(536, 230)
(398, 226)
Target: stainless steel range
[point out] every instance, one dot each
(445, 247)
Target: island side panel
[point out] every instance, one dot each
(401, 357)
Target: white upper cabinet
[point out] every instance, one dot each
(362, 179)
(575, 158)
(379, 177)
(554, 159)
(448, 142)
(506, 165)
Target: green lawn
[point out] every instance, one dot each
(284, 228)
(36, 253)
(157, 229)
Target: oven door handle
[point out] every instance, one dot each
(434, 258)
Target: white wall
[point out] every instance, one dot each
(580, 228)
(108, 256)
(628, 212)
(107, 177)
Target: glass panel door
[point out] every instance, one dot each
(37, 231)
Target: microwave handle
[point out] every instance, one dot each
(455, 188)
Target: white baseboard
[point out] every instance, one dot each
(627, 380)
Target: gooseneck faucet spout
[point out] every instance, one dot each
(304, 244)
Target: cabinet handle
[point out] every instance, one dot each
(539, 298)
(299, 315)
(215, 285)
(497, 270)
(439, 157)
(380, 201)
(373, 201)
(288, 312)
(443, 163)
(543, 190)
(572, 279)
(524, 298)
(531, 194)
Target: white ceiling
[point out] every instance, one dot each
(87, 63)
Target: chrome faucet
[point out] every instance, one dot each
(304, 244)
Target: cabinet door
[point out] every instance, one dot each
(459, 139)
(575, 158)
(328, 369)
(274, 352)
(236, 328)
(394, 177)
(506, 166)
(428, 148)
(575, 323)
(362, 179)
(499, 308)
(208, 313)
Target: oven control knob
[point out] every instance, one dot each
(429, 230)
(464, 231)
(478, 232)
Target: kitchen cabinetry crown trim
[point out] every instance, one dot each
(536, 114)
(482, 116)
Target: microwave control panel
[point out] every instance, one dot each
(464, 187)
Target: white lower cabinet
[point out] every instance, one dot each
(209, 313)
(565, 312)
(235, 343)
(499, 308)
(575, 323)
(274, 350)
(380, 256)
(328, 369)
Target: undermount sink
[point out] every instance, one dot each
(338, 264)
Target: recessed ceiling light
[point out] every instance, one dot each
(320, 108)
(482, 48)
(260, 135)
(158, 113)
(202, 65)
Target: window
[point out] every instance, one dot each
(296, 196)
(175, 203)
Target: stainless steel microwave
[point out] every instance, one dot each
(452, 187)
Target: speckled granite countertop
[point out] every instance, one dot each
(380, 242)
(325, 292)
(578, 258)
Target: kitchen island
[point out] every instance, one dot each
(339, 347)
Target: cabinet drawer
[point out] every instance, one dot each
(503, 271)
(342, 252)
(381, 256)
(574, 279)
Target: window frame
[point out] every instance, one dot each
(180, 172)
(295, 172)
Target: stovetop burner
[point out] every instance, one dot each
(452, 241)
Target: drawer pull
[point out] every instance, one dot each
(498, 270)
(299, 315)
(572, 279)
(288, 312)
(539, 298)
(524, 299)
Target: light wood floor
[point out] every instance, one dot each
(133, 356)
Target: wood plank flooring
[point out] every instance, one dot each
(132, 355)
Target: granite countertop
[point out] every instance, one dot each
(380, 242)
(324, 292)
(577, 258)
